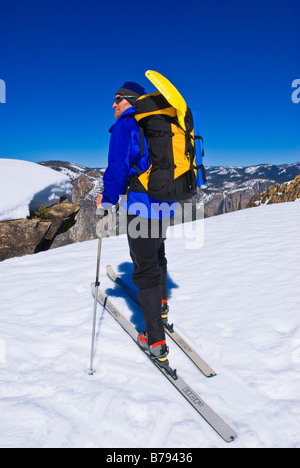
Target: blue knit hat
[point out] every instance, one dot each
(130, 88)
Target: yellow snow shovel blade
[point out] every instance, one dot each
(171, 94)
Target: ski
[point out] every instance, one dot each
(212, 418)
(186, 348)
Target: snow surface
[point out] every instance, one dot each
(236, 300)
(25, 186)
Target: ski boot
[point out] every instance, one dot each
(157, 351)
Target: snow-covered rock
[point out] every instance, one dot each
(25, 186)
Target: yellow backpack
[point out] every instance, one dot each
(172, 172)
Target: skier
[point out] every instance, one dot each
(147, 220)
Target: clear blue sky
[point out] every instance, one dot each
(234, 61)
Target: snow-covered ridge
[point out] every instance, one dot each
(241, 177)
(71, 170)
(25, 186)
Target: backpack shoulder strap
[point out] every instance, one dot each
(141, 131)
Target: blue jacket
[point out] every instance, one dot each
(124, 151)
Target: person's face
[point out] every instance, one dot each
(121, 106)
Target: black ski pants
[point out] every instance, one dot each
(146, 239)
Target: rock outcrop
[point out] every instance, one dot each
(86, 188)
(21, 236)
(287, 192)
(27, 236)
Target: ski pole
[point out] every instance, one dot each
(97, 284)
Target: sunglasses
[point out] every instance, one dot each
(120, 98)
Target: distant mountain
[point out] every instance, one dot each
(72, 170)
(223, 176)
(231, 188)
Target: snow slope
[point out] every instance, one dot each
(236, 300)
(25, 185)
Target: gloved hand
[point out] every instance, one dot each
(107, 224)
(101, 211)
(106, 227)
